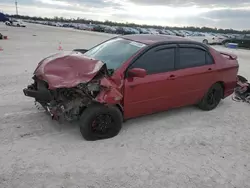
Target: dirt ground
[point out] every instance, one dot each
(180, 148)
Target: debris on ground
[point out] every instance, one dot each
(242, 90)
(2, 36)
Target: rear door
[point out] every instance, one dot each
(195, 74)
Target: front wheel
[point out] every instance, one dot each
(212, 98)
(100, 122)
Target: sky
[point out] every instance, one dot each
(210, 13)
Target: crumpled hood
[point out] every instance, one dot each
(68, 69)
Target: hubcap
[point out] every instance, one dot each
(213, 97)
(102, 124)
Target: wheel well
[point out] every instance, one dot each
(119, 107)
(116, 105)
(222, 85)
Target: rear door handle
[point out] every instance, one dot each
(209, 69)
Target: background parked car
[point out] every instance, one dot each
(218, 38)
(98, 28)
(204, 38)
(13, 22)
(143, 30)
(243, 42)
(110, 29)
(178, 33)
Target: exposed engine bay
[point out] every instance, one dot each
(66, 103)
(67, 83)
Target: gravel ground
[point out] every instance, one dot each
(180, 148)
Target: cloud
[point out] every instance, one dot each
(82, 3)
(51, 2)
(200, 3)
(158, 12)
(230, 18)
(229, 14)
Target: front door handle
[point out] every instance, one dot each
(209, 69)
(171, 77)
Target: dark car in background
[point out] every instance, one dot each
(3, 17)
(126, 31)
(242, 41)
(178, 33)
(143, 30)
(110, 29)
(98, 28)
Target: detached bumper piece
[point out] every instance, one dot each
(39, 91)
(41, 96)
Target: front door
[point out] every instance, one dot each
(150, 94)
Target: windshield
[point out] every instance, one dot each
(114, 52)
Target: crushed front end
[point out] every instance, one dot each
(67, 83)
(65, 103)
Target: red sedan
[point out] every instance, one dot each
(130, 76)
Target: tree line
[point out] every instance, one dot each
(111, 23)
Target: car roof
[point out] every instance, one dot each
(152, 39)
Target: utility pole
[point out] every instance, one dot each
(16, 7)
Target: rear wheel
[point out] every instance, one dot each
(212, 98)
(100, 122)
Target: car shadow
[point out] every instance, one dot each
(172, 116)
(49, 126)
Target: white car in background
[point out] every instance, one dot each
(219, 38)
(153, 31)
(16, 23)
(204, 38)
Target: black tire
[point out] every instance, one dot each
(212, 98)
(90, 115)
(205, 41)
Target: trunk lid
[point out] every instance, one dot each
(228, 55)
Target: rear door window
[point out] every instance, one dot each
(191, 57)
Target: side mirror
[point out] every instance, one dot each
(80, 50)
(137, 72)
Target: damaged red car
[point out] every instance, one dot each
(130, 76)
